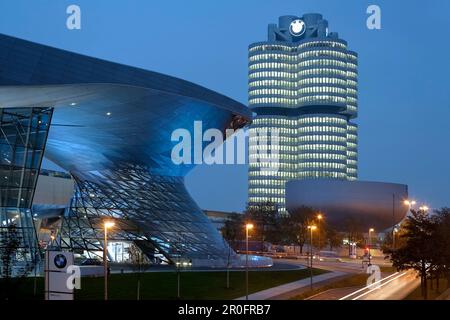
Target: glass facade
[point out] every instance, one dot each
(155, 213)
(305, 86)
(22, 141)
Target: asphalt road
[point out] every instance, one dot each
(347, 266)
(396, 286)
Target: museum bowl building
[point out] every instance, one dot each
(360, 205)
(109, 126)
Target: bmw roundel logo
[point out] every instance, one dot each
(297, 27)
(60, 261)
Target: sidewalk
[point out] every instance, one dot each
(288, 287)
(445, 295)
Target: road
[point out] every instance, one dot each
(392, 286)
(397, 286)
(347, 266)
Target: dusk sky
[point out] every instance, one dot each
(404, 95)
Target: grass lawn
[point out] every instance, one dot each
(355, 280)
(163, 285)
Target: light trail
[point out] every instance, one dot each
(371, 285)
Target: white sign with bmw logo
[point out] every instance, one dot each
(297, 27)
(56, 275)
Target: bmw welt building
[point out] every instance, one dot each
(109, 126)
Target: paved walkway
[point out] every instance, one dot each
(445, 295)
(292, 286)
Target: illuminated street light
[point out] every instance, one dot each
(394, 235)
(311, 228)
(319, 218)
(370, 242)
(107, 225)
(410, 203)
(248, 226)
(424, 208)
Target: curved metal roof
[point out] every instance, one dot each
(106, 113)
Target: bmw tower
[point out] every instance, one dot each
(302, 82)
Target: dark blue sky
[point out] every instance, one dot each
(404, 95)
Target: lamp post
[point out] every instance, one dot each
(370, 242)
(319, 218)
(248, 227)
(311, 228)
(394, 234)
(52, 239)
(107, 225)
(410, 203)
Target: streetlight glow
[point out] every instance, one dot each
(319, 216)
(248, 227)
(109, 224)
(370, 244)
(311, 229)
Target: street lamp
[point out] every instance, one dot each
(319, 218)
(410, 203)
(424, 208)
(311, 228)
(394, 233)
(370, 231)
(107, 225)
(248, 226)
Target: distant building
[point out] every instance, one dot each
(218, 218)
(53, 187)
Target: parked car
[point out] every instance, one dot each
(328, 256)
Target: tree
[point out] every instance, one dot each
(265, 218)
(139, 263)
(333, 238)
(354, 235)
(9, 247)
(441, 244)
(11, 251)
(418, 251)
(296, 225)
(233, 229)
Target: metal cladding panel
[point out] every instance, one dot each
(368, 204)
(26, 63)
(107, 113)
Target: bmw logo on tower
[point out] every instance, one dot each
(297, 27)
